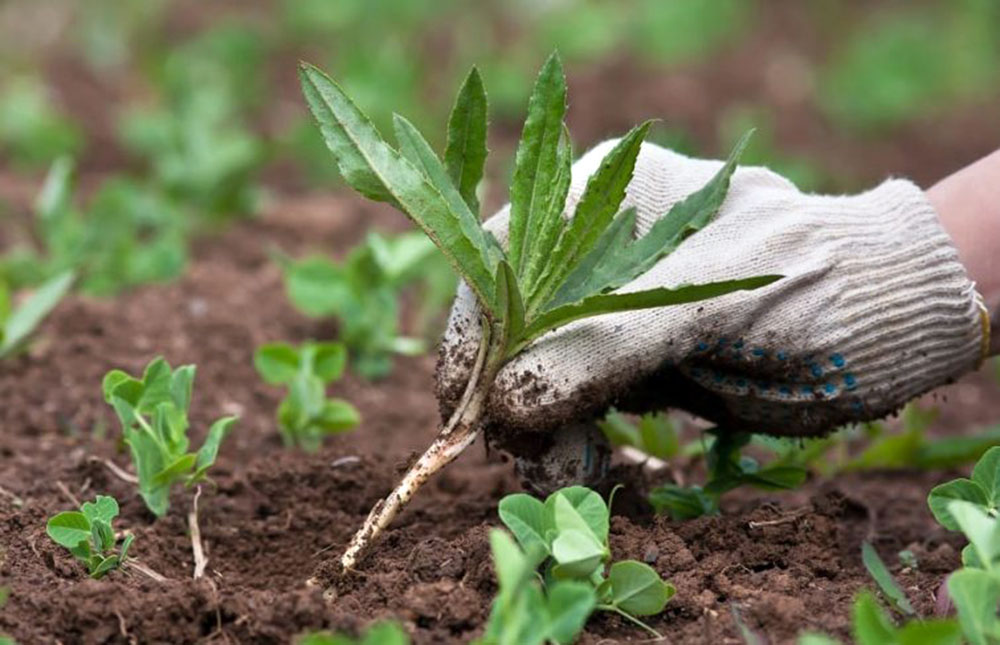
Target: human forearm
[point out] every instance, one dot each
(968, 205)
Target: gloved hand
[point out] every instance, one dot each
(874, 309)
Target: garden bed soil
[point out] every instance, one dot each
(773, 564)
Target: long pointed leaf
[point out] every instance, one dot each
(509, 304)
(614, 302)
(465, 151)
(378, 171)
(594, 213)
(416, 149)
(543, 239)
(615, 265)
(535, 163)
(25, 318)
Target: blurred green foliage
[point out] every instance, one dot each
(33, 131)
(904, 63)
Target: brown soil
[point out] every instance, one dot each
(772, 564)
(777, 564)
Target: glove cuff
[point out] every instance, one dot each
(909, 317)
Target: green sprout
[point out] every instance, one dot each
(306, 415)
(88, 535)
(553, 270)
(382, 633)
(567, 535)
(362, 294)
(18, 323)
(153, 411)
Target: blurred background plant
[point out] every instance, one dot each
(159, 120)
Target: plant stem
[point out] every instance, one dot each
(629, 617)
(458, 433)
(197, 548)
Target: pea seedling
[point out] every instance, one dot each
(523, 612)
(554, 270)
(568, 535)
(362, 294)
(305, 416)
(88, 535)
(871, 625)
(972, 506)
(727, 469)
(17, 324)
(153, 412)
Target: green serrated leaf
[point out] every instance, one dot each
(616, 260)
(536, 162)
(614, 302)
(510, 306)
(465, 151)
(595, 211)
(377, 171)
(416, 149)
(542, 240)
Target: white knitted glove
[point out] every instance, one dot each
(874, 309)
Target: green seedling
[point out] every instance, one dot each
(871, 625)
(384, 633)
(567, 535)
(362, 294)
(885, 580)
(88, 535)
(972, 506)
(553, 270)
(153, 411)
(18, 322)
(306, 415)
(196, 140)
(526, 613)
(654, 434)
(727, 469)
(129, 234)
(32, 131)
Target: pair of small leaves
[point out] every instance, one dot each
(525, 614)
(306, 415)
(88, 535)
(982, 490)
(17, 324)
(153, 412)
(571, 527)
